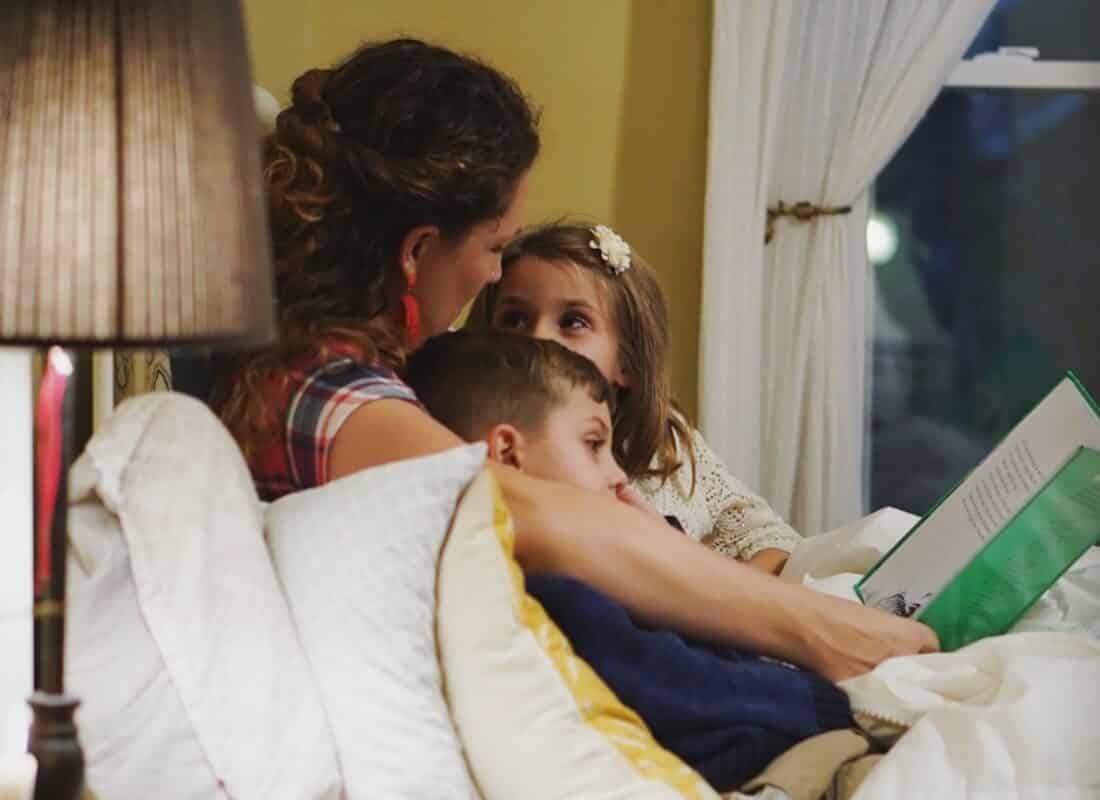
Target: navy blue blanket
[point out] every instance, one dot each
(726, 714)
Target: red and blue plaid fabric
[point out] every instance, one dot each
(318, 398)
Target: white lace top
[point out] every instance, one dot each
(723, 513)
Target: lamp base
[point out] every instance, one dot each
(53, 742)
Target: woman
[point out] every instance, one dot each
(395, 180)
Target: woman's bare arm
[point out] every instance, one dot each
(770, 561)
(653, 570)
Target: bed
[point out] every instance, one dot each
(224, 648)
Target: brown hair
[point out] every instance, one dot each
(647, 422)
(473, 380)
(401, 134)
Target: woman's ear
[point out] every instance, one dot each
(414, 246)
(506, 445)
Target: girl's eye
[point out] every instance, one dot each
(573, 322)
(510, 320)
(596, 445)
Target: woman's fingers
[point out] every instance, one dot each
(855, 639)
(931, 640)
(632, 497)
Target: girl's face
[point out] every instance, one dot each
(560, 301)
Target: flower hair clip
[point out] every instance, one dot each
(614, 250)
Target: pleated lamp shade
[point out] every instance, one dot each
(131, 204)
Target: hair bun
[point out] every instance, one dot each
(307, 97)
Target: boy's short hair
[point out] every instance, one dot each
(473, 380)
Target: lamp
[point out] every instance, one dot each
(131, 215)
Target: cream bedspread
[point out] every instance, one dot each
(1016, 715)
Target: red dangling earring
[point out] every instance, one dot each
(412, 312)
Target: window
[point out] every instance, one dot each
(985, 244)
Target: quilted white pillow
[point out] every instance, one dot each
(357, 559)
(179, 643)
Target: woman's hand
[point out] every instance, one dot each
(848, 639)
(632, 497)
(845, 639)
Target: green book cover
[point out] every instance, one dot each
(1021, 562)
(1007, 532)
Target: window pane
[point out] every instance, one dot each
(1063, 30)
(988, 282)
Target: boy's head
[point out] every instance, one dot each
(539, 406)
(555, 285)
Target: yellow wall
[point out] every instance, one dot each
(622, 85)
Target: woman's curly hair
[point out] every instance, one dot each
(399, 135)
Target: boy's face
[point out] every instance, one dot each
(574, 446)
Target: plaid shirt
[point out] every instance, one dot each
(318, 395)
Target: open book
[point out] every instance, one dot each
(987, 551)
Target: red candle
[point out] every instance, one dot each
(48, 443)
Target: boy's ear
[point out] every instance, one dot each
(413, 247)
(506, 445)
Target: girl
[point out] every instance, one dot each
(394, 180)
(585, 288)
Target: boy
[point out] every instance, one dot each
(544, 409)
(539, 407)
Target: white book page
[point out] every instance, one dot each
(984, 502)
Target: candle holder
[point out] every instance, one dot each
(54, 744)
(53, 737)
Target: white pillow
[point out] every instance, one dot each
(130, 716)
(179, 643)
(357, 558)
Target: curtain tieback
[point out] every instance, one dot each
(803, 211)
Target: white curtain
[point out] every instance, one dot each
(808, 102)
